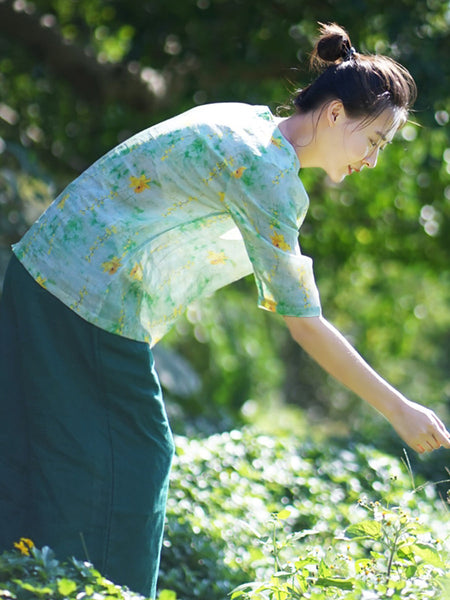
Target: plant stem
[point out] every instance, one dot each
(391, 557)
(409, 469)
(275, 549)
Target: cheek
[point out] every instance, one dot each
(349, 150)
(358, 148)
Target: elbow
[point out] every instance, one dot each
(303, 328)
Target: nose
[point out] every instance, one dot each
(371, 159)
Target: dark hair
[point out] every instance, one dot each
(365, 84)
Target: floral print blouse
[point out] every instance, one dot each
(172, 214)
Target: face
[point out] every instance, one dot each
(348, 145)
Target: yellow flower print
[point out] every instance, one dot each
(217, 258)
(140, 183)
(41, 281)
(81, 296)
(61, 203)
(24, 545)
(238, 172)
(112, 266)
(269, 304)
(136, 272)
(276, 142)
(169, 150)
(278, 241)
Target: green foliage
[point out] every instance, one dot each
(388, 555)
(344, 511)
(291, 520)
(28, 573)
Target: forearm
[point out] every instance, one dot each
(334, 353)
(416, 424)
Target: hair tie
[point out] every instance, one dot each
(349, 54)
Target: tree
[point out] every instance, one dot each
(78, 76)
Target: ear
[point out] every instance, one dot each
(334, 112)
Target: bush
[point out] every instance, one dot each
(226, 488)
(273, 519)
(28, 572)
(387, 554)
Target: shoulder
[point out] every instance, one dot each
(222, 112)
(221, 116)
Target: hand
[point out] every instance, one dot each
(419, 427)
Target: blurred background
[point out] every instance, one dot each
(79, 76)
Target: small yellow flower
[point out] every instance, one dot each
(24, 545)
(136, 272)
(217, 258)
(276, 142)
(61, 203)
(140, 183)
(278, 241)
(238, 172)
(269, 304)
(112, 266)
(41, 281)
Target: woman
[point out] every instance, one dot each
(168, 216)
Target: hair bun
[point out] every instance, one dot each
(332, 46)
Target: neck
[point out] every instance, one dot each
(300, 130)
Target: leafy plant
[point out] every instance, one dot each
(227, 487)
(28, 573)
(386, 554)
(345, 523)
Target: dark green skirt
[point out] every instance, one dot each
(85, 446)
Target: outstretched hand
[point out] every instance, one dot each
(419, 427)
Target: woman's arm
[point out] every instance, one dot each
(419, 427)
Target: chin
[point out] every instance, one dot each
(337, 177)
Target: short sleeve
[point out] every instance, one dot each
(268, 203)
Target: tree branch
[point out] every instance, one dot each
(143, 90)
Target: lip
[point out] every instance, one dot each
(352, 170)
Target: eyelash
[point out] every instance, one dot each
(374, 145)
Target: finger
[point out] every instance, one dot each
(435, 442)
(442, 437)
(440, 433)
(420, 448)
(437, 434)
(446, 442)
(433, 445)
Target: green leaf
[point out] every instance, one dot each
(282, 574)
(365, 529)
(343, 584)
(66, 586)
(324, 570)
(428, 554)
(168, 595)
(406, 552)
(247, 588)
(305, 561)
(294, 537)
(410, 571)
(39, 591)
(284, 514)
